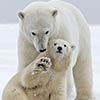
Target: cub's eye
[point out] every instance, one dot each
(64, 45)
(55, 44)
(46, 32)
(33, 33)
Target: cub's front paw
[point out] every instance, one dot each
(43, 65)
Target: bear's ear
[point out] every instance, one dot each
(73, 47)
(21, 15)
(54, 12)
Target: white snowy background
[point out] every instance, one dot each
(8, 55)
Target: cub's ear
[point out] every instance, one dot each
(73, 47)
(54, 13)
(21, 15)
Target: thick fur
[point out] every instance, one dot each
(45, 78)
(61, 20)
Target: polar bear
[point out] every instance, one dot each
(41, 22)
(46, 79)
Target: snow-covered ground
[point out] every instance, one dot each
(8, 55)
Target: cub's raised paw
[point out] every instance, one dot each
(43, 65)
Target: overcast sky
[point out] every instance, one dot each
(9, 9)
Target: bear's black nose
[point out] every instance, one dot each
(59, 48)
(42, 50)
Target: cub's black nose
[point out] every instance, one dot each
(59, 48)
(42, 50)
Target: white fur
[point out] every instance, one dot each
(45, 78)
(68, 24)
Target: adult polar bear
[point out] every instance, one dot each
(44, 21)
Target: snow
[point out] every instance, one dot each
(8, 55)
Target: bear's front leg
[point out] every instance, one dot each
(83, 79)
(37, 74)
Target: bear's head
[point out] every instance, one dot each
(60, 49)
(38, 24)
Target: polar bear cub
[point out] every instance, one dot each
(46, 79)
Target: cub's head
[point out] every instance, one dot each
(38, 24)
(60, 49)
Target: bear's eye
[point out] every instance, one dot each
(55, 44)
(46, 32)
(64, 45)
(33, 33)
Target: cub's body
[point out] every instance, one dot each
(45, 78)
